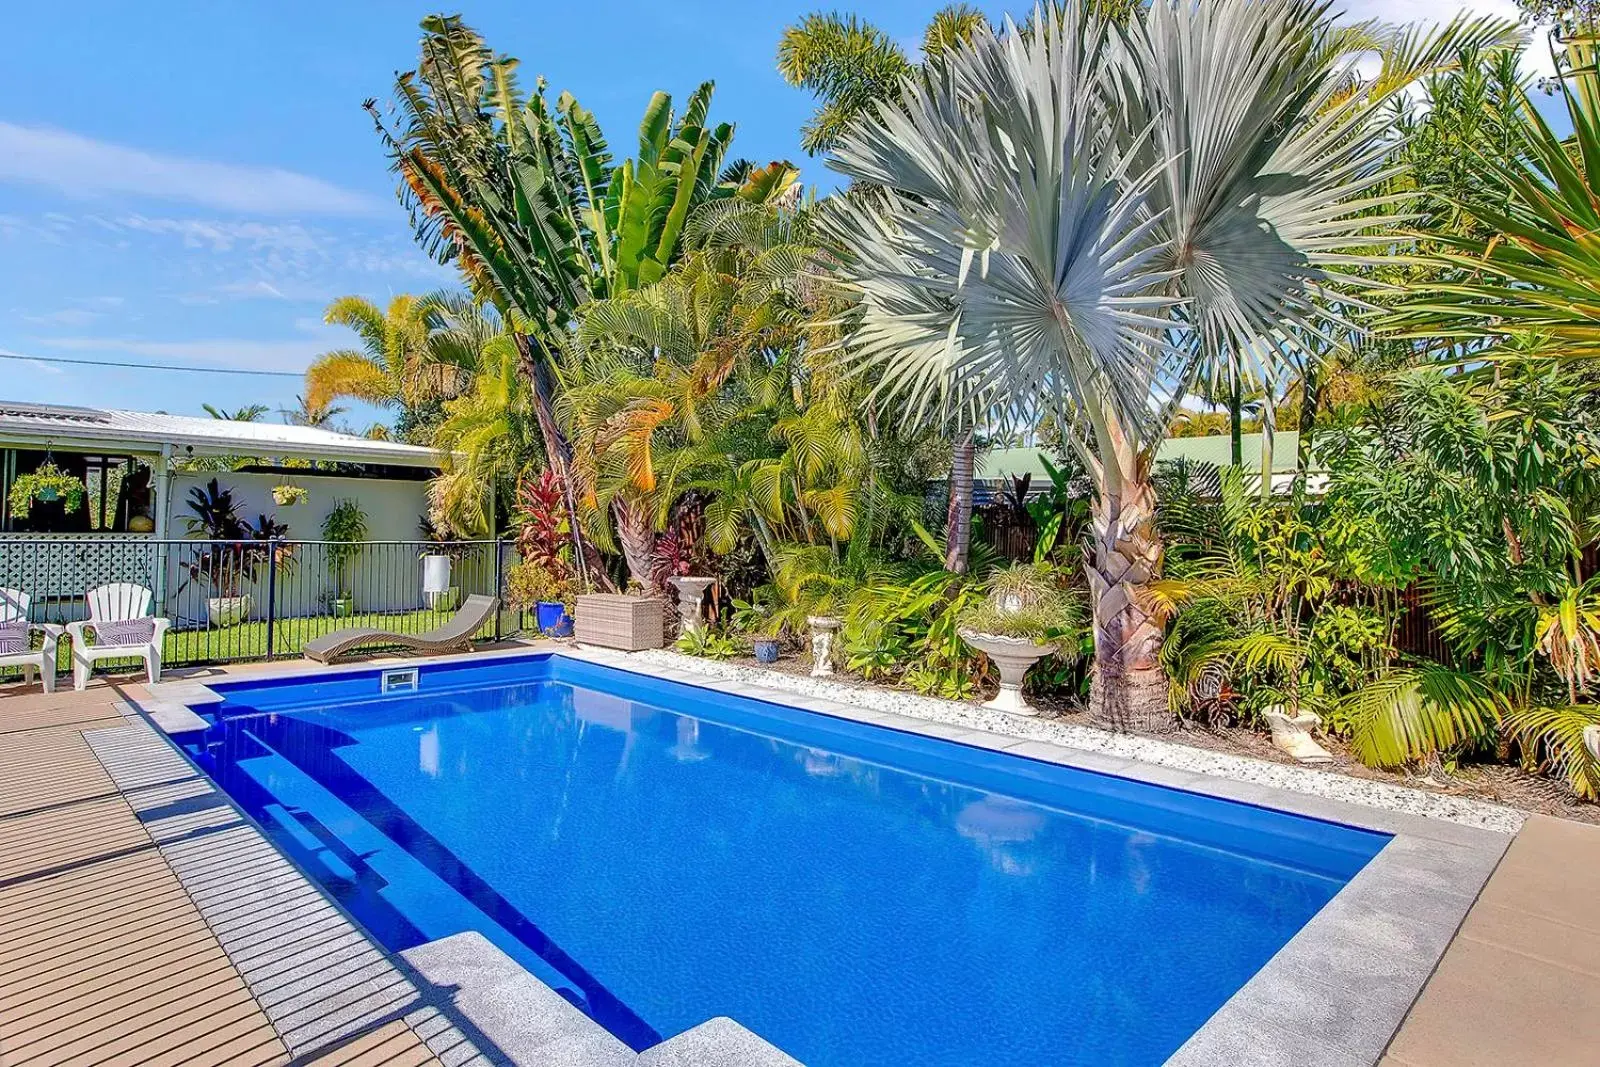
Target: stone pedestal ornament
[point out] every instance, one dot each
(1292, 734)
(823, 627)
(1591, 740)
(1012, 656)
(690, 592)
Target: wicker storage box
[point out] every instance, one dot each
(626, 622)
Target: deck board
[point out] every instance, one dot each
(104, 957)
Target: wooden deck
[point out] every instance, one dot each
(104, 958)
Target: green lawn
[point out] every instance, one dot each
(248, 640)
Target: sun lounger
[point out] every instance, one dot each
(454, 636)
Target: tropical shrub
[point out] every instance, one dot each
(708, 643)
(528, 583)
(343, 530)
(541, 517)
(237, 549)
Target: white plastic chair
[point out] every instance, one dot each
(13, 611)
(115, 611)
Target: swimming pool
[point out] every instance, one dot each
(663, 854)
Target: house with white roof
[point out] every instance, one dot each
(140, 471)
(137, 468)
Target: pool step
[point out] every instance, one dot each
(531, 1024)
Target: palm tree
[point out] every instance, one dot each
(484, 440)
(524, 198)
(1070, 221)
(384, 370)
(316, 416)
(653, 376)
(523, 195)
(1527, 278)
(854, 68)
(247, 413)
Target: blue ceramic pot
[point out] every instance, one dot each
(553, 619)
(766, 649)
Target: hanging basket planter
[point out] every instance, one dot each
(287, 496)
(47, 485)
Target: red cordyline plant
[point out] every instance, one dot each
(541, 513)
(677, 549)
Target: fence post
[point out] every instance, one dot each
(498, 585)
(272, 591)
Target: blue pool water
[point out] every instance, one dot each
(665, 854)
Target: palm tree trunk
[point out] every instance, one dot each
(1236, 418)
(558, 456)
(1127, 691)
(1269, 424)
(636, 533)
(1310, 399)
(958, 520)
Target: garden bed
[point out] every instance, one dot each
(1488, 783)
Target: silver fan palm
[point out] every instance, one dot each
(1074, 216)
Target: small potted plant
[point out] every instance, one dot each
(755, 617)
(47, 484)
(765, 646)
(343, 531)
(1019, 623)
(531, 585)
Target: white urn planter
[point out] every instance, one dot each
(228, 610)
(1591, 740)
(1012, 657)
(437, 592)
(823, 629)
(1292, 734)
(690, 592)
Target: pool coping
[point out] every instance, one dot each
(1335, 994)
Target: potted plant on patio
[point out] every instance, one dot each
(343, 530)
(234, 554)
(531, 585)
(1021, 621)
(765, 647)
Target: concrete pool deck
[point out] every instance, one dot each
(1515, 984)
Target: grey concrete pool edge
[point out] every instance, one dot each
(321, 978)
(1335, 994)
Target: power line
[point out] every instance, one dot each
(151, 366)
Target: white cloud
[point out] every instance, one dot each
(82, 166)
(1536, 61)
(63, 317)
(1426, 10)
(225, 236)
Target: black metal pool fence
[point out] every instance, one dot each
(249, 600)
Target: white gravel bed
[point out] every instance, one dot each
(1322, 783)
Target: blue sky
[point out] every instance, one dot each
(191, 182)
